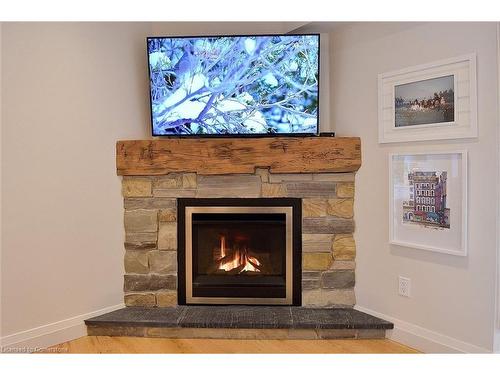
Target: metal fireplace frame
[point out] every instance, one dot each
(291, 207)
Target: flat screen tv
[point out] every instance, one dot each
(234, 85)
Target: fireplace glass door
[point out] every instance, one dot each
(238, 254)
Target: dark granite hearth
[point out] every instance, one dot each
(241, 317)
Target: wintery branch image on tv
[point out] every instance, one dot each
(234, 85)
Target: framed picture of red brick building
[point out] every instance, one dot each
(428, 201)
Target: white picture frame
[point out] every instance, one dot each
(432, 233)
(462, 118)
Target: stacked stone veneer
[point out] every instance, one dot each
(327, 243)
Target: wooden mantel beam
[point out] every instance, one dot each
(208, 156)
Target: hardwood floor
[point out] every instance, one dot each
(108, 344)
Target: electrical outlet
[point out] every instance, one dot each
(404, 286)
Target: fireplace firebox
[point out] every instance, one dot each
(239, 251)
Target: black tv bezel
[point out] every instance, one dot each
(240, 135)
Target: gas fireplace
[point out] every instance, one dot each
(239, 251)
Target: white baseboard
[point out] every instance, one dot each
(53, 333)
(422, 339)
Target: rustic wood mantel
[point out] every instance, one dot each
(238, 155)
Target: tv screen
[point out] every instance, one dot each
(234, 85)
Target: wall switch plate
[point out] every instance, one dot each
(404, 286)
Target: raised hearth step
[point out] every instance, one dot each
(238, 322)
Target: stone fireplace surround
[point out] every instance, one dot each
(150, 220)
(328, 247)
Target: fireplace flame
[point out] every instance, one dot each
(238, 259)
(222, 247)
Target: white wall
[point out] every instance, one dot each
(70, 91)
(497, 330)
(452, 298)
(221, 28)
(1, 26)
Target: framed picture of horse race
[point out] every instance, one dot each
(428, 201)
(429, 102)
